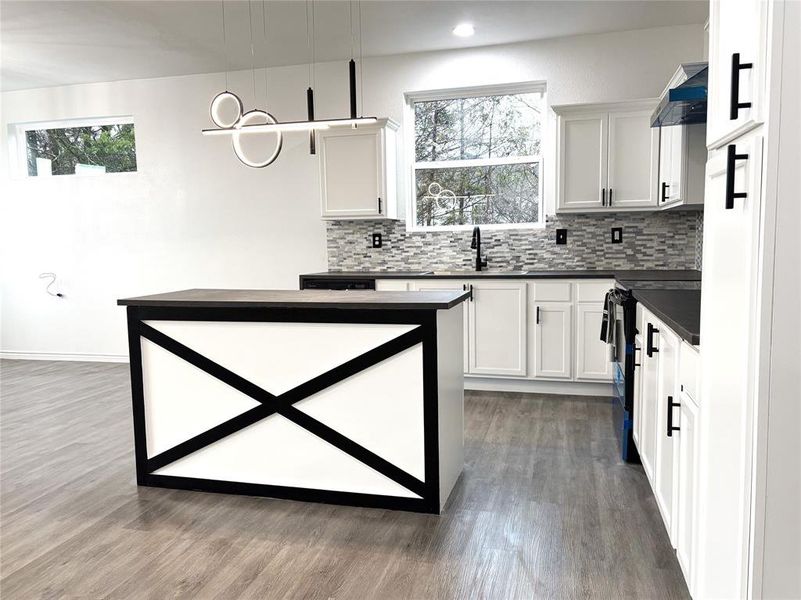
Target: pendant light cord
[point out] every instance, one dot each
(252, 53)
(361, 63)
(310, 26)
(266, 51)
(225, 44)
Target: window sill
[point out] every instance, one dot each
(411, 228)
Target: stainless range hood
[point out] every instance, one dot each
(684, 100)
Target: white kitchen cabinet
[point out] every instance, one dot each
(682, 160)
(649, 397)
(687, 488)
(394, 285)
(667, 416)
(592, 355)
(497, 328)
(553, 339)
(637, 419)
(737, 36)
(359, 171)
(439, 285)
(607, 157)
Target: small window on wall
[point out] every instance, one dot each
(477, 157)
(86, 147)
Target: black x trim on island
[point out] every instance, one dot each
(283, 404)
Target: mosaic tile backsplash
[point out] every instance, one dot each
(662, 240)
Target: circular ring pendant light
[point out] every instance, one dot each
(226, 109)
(248, 119)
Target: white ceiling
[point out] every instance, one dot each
(47, 43)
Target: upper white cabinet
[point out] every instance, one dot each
(737, 67)
(497, 328)
(607, 157)
(682, 163)
(359, 171)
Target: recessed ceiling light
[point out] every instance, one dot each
(464, 30)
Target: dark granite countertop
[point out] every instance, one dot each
(364, 299)
(678, 309)
(619, 274)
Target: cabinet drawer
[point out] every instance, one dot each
(690, 371)
(552, 291)
(593, 291)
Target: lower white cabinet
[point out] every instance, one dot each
(686, 507)
(649, 397)
(438, 285)
(497, 328)
(592, 355)
(667, 401)
(394, 285)
(553, 339)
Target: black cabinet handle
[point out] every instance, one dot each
(731, 158)
(379, 206)
(670, 406)
(734, 104)
(649, 346)
(636, 350)
(538, 315)
(603, 197)
(664, 191)
(610, 196)
(471, 292)
(464, 287)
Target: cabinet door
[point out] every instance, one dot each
(592, 355)
(351, 173)
(637, 417)
(671, 164)
(687, 488)
(553, 335)
(667, 415)
(583, 150)
(498, 328)
(728, 371)
(735, 28)
(648, 403)
(633, 160)
(440, 285)
(394, 285)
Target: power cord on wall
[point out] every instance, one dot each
(52, 277)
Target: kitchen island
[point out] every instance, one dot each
(344, 397)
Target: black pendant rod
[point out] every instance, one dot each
(352, 70)
(310, 109)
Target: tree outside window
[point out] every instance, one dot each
(89, 149)
(477, 159)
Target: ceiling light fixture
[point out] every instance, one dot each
(464, 30)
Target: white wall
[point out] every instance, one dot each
(192, 216)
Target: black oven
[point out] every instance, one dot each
(624, 320)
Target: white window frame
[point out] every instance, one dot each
(18, 131)
(410, 98)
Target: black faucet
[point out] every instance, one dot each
(476, 245)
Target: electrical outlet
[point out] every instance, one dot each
(561, 236)
(377, 240)
(617, 235)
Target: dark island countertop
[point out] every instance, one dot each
(352, 299)
(678, 309)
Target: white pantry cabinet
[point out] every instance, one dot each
(359, 171)
(738, 39)
(497, 328)
(607, 157)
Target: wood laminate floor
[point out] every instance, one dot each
(544, 509)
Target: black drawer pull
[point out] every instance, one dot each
(731, 158)
(649, 346)
(735, 105)
(670, 406)
(636, 350)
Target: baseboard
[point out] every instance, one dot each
(574, 388)
(111, 358)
